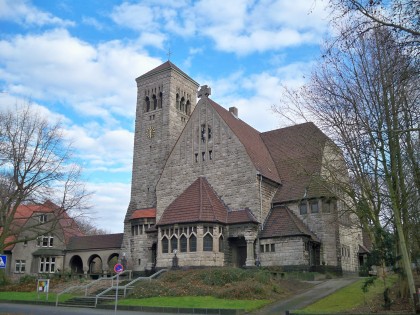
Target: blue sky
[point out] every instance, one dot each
(77, 61)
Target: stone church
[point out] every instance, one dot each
(210, 190)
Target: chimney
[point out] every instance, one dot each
(234, 111)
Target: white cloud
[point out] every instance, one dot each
(23, 13)
(110, 202)
(95, 80)
(237, 26)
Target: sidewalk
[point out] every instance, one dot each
(306, 298)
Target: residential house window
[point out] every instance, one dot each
(303, 208)
(47, 265)
(273, 247)
(43, 218)
(45, 241)
(20, 266)
(221, 244)
(314, 206)
(262, 248)
(329, 205)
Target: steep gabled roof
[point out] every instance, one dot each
(282, 222)
(298, 153)
(96, 242)
(198, 203)
(164, 67)
(26, 211)
(252, 141)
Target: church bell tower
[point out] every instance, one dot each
(166, 97)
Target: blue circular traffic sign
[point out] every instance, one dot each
(118, 268)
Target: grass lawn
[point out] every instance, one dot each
(32, 296)
(196, 302)
(347, 298)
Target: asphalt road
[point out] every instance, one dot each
(26, 309)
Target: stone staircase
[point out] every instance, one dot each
(106, 291)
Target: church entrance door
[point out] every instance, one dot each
(237, 247)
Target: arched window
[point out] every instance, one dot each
(174, 243)
(221, 244)
(165, 244)
(154, 102)
(193, 243)
(188, 108)
(160, 101)
(147, 101)
(182, 105)
(183, 243)
(177, 101)
(208, 243)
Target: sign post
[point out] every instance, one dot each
(118, 268)
(43, 286)
(3, 261)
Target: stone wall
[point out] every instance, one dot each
(287, 251)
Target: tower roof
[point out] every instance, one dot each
(165, 67)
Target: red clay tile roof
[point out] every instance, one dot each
(106, 241)
(297, 152)
(241, 216)
(143, 213)
(251, 140)
(282, 222)
(198, 203)
(25, 212)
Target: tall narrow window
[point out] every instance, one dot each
(183, 243)
(177, 101)
(188, 108)
(165, 245)
(174, 243)
(160, 101)
(193, 243)
(147, 101)
(154, 102)
(221, 244)
(182, 104)
(208, 243)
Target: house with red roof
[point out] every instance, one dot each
(37, 239)
(210, 190)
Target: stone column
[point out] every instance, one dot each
(250, 240)
(200, 235)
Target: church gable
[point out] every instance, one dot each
(208, 146)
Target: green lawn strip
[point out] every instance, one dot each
(347, 298)
(196, 302)
(32, 296)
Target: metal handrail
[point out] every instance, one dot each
(87, 286)
(142, 278)
(128, 284)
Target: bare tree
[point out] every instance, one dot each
(365, 95)
(35, 168)
(399, 15)
(88, 227)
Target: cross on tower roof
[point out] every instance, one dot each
(204, 91)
